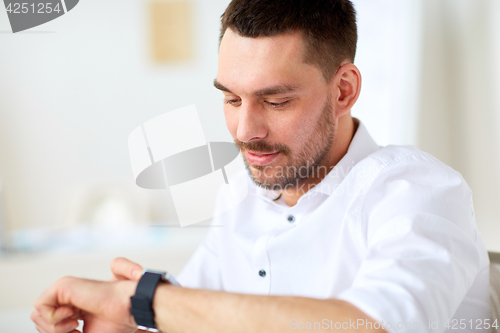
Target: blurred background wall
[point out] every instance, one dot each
(72, 90)
(459, 97)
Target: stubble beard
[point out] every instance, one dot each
(307, 163)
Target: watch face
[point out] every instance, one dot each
(165, 276)
(162, 273)
(170, 278)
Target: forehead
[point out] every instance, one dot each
(248, 63)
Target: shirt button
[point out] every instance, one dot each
(291, 218)
(262, 273)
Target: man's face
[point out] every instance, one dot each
(278, 108)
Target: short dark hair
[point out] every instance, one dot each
(328, 26)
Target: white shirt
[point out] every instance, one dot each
(391, 230)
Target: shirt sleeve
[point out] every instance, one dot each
(422, 254)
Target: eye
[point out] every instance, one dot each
(232, 101)
(277, 105)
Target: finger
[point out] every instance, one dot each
(40, 324)
(78, 314)
(39, 329)
(47, 303)
(34, 315)
(124, 269)
(63, 326)
(55, 303)
(62, 313)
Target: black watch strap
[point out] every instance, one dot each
(142, 301)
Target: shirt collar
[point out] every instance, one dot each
(362, 145)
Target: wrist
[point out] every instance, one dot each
(126, 289)
(142, 308)
(166, 307)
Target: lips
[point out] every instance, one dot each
(257, 158)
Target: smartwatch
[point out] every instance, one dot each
(142, 301)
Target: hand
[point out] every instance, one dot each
(103, 306)
(124, 269)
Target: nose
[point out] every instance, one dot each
(251, 123)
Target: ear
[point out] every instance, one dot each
(346, 87)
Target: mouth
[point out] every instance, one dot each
(258, 158)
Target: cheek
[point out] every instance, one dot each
(231, 121)
(306, 128)
(295, 130)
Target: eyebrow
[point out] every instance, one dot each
(276, 90)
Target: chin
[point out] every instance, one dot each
(265, 182)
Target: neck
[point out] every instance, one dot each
(344, 132)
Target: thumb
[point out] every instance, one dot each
(124, 269)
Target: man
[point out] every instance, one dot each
(336, 232)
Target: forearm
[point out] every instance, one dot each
(195, 310)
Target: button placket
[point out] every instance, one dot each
(260, 261)
(294, 215)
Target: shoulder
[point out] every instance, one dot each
(412, 184)
(413, 173)
(408, 162)
(408, 170)
(393, 155)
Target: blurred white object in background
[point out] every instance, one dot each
(110, 205)
(111, 211)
